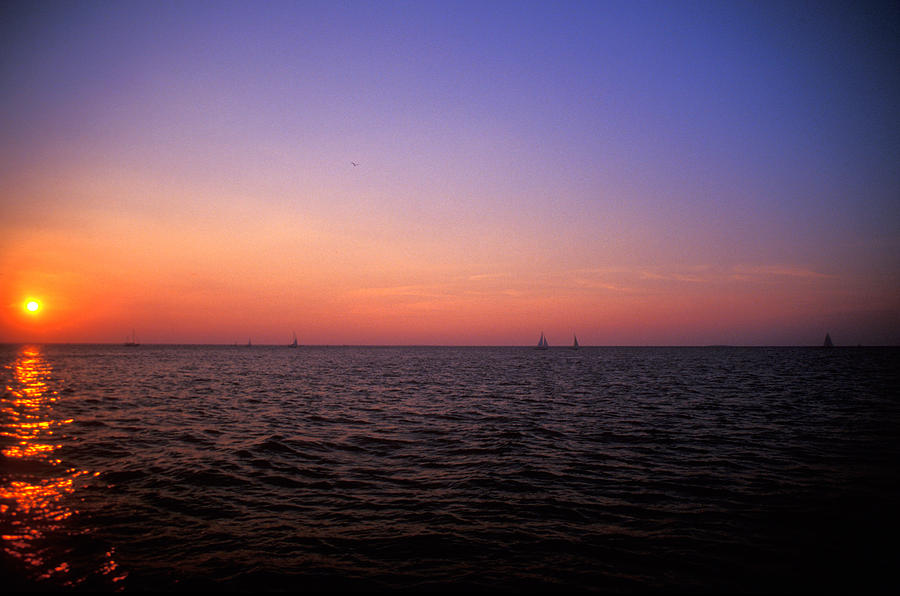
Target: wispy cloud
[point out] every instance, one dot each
(635, 279)
(488, 276)
(518, 290)
(760, 271)
(413, 291)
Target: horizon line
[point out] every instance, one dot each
(559, 346)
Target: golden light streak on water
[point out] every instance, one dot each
(36, 493)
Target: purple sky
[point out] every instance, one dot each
(634, 172)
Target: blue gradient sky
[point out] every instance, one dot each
(634, 172)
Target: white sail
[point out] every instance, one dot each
(542, 343)
(575, 343)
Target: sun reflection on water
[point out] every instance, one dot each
(36, 491)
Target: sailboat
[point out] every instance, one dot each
(542, 343)
(132, 341)
(575, 343)
(293, 344)
(828, 343)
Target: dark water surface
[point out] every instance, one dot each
(610, 469)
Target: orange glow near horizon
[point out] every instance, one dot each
(405, 299)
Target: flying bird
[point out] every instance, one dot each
(354, 163)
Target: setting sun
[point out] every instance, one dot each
(32, 306)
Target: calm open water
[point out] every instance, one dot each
(611, 469)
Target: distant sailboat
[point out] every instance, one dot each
(575, 343)
(828, 343)
(293, 344)
(542, 343)
(249, 345)
(132, 341)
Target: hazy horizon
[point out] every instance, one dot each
(562, 347)
(450, 173)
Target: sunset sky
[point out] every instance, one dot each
(636, 173)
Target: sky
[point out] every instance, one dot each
(636, 173)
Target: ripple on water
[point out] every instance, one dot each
(614, 469)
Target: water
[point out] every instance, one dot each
(609, 469)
